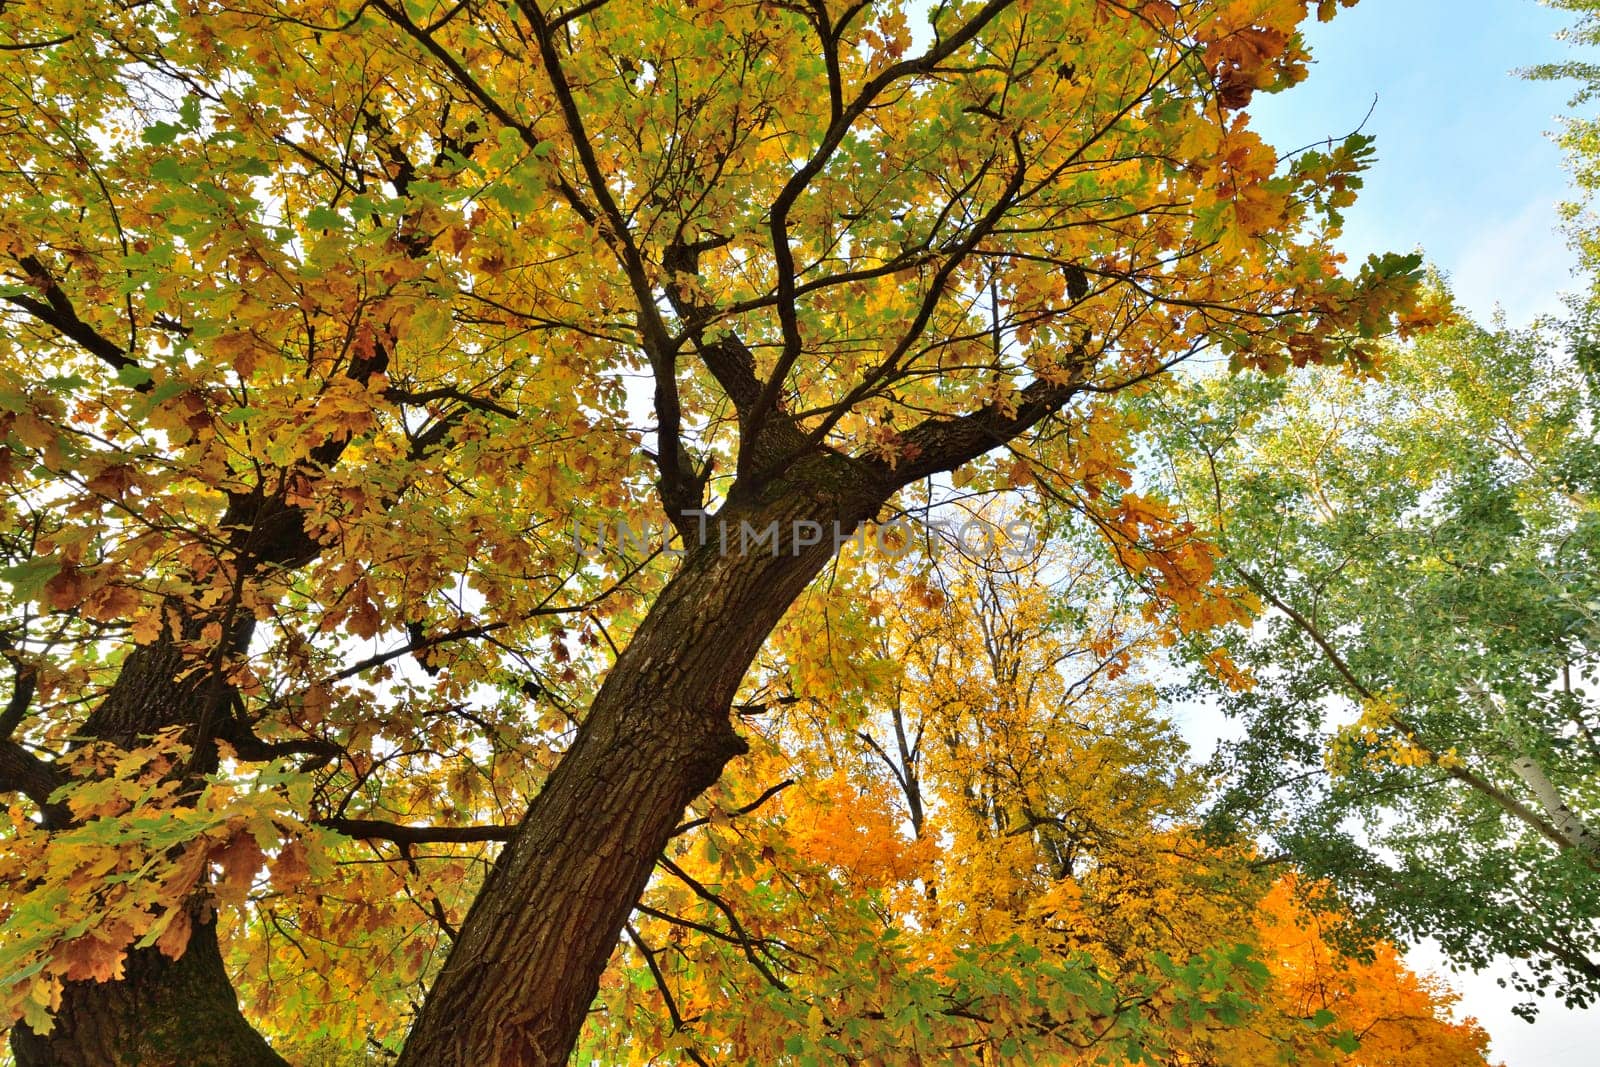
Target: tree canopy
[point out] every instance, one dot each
(478, 492)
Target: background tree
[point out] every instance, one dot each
(1424, 732)
(994, 854)
(319, 325)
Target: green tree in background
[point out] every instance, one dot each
(1425, 727)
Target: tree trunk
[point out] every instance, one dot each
(180, 1012)
(163, 1013)
(517, 985)
(527, 964)
(1568, 823)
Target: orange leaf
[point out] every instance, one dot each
(239, 860)
(290, 868)
(88, 958)
(175, 938)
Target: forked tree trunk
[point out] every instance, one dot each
(527, 963)
(521, 976)
(164, 1013)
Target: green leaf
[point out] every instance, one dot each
(65, 383)
(132, 375)
(27, 579)
(167, 390)
(160, 133)
(168, 169)
(324, 218)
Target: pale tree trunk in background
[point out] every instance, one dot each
(1566, 821)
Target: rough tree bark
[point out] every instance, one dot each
(163, 1013)
(529, 958)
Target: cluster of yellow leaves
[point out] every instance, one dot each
(1007, 789)
(1376, 739)
(1221, 665)
(339, 954)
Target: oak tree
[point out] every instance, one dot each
(325, 323)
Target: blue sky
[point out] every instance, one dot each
(1466, 169)
(1466, 172)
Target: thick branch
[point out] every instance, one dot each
(943, 443)
(23, 772)
(23, 684)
